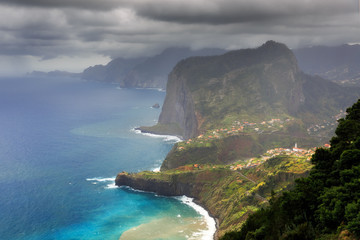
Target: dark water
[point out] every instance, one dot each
(62, 142)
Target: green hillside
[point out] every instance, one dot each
(229, 194)
(249, 85)
(326, 204)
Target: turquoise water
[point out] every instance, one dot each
(62, 142)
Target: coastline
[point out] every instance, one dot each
(151, 133)
(211, 222)
(175, 138)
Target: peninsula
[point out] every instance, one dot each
(234, 112)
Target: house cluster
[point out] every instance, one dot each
(253, 162)
(272, 124)
(237, 127)
(326, 124)
(295, 151)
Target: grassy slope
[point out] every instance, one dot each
(231, 195)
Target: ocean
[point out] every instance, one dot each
(62, 142)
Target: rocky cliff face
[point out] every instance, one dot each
(205, 91)
(179, 107)
(172, 187)
(247, 85)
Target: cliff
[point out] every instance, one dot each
(228, 195)
(246, 85)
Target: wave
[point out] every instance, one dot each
(99, 179)
(211, 224)
(167, 138)
(103, 180)
(157, 169)
(156, 89)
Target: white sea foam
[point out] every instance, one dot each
(157, 169)
(99, 179)
(103, 180)
(167, 138)
(156, 89)
(134, 190)
(211, 224)
(111, 185)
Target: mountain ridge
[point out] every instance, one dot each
(265, 82)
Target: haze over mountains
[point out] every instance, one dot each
(149, 72)
(340, 63)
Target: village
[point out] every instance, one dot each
(236, 128)
(293, 152)
(326, 125)
(298, 154)
(244, 127)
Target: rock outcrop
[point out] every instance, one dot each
(172, 187)
(252, 84)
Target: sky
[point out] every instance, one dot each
(70, 35)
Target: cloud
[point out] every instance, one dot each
(237, 11)
(102, 5)
(129, 28)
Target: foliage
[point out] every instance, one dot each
(325, 203)
(231, 195)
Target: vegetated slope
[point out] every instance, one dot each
(325, 205)
(231, 147)
(246, 85)
(229, 195)
(151, 72)
(339, 63)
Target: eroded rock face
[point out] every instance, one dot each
(204, 90)
(262, 83)
(164, 188)
(178, 107)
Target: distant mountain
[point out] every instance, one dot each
(55, 73)
(340, 64)
(115, 71)
(246, 85)
(149, 72)
(154, 71)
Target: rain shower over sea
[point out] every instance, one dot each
(62, 142)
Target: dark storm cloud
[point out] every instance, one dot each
(129, 28)
(237, 11)
(82, 4)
